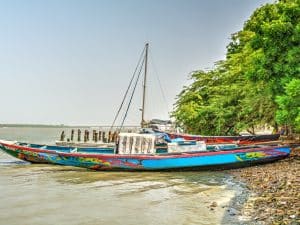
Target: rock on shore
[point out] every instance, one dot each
(276, 191)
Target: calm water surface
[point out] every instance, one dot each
(48, 194)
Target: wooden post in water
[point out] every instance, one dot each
(115, 135)
(103, 137)
(96, 136)
(109, 136)
(78, 135)
(85, 136)
(62, 136)
(112, 137)
(72, 134)
(93, 135)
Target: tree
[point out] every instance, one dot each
(241, 92)
(289, 106)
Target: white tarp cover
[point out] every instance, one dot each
(133, 143)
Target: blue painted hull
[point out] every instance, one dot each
(167, 163)
(187, 160)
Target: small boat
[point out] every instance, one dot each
(242, 140)
(160, 149)
(33, 158)
(142, 152)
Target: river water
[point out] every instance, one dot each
(49, 194)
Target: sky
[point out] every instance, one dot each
(70, 61)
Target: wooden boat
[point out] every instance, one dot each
(242, 140)
(138, 153)
(33, 158)
(160, 149)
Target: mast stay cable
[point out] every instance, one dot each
(159, 83)
(133, 91)
(128, 88)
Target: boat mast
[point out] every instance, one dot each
(143, 122)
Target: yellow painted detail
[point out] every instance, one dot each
(255, 154)
(238, 158)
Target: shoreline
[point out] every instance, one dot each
(274, 191)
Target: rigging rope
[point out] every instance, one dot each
(132, 78)
(159, 82)
(128, 106)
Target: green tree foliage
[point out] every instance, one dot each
(202, 107)
(289, 105)
(241, 92)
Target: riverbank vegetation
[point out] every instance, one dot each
(257, 84)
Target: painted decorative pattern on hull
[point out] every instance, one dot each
(149, 162)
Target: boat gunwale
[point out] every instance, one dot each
(225, 137)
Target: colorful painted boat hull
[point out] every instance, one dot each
(188, 160)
